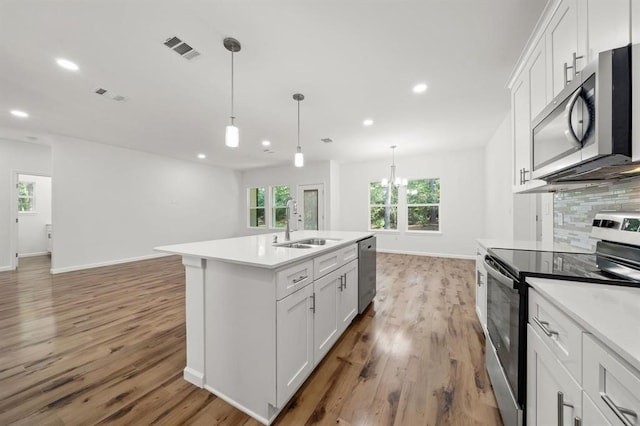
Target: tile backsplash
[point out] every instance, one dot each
(574, 210)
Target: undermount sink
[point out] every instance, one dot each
(314, 241)
(295, 245)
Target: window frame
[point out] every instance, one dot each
(31, 198)
(407, 205)
(391, 205)
(273, 207)
(264, 207)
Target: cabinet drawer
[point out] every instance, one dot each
(331, 261)
(611, 385)
(293, 278)
(349, 253)
(558, 331)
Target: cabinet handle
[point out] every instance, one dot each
(544, 325)
(619, 411)
(524, 175)
(573, 67)
(577, 421)
(575, 64)
(302, 277)
(561, 405)
(341, 283)
(345, 280)
(313, 303)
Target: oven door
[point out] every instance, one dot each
(503, 321)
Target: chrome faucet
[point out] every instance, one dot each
(291, 205)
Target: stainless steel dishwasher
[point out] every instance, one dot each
(366, 272)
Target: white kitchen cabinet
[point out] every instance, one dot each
(562, 44)
(348, 295)
(612, 385)
(481, 288)
(607, 25)
(590, 413)
(325, 323)
(538, 87)
(521, 131)
(552, 394)
(294, 342)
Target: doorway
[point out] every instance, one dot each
(311, 207)
(33, 231)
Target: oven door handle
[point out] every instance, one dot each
(502, 279)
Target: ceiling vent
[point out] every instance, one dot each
(109, 94)
(181, 48)
(326, 140)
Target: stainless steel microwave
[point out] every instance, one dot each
(586, 129)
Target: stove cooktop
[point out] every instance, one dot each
(557, 265)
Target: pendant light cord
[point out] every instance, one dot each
(232, 117)
(298, 124)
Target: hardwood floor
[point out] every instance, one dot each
(107, 346)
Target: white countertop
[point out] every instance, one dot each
(258, 250)
(488, 243)
(611, 313)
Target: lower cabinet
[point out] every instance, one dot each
(348, 296)
(573, 378)
(325, 322)
(309, 322)
(553, 397)
(481, 288)
(294, 342)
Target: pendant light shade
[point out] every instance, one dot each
(298, 158)
(232, 134)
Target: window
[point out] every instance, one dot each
(383, 206)
(423, 205)
(279, 196)
(257, 210)
(26, 199)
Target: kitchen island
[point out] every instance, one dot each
(260, 316)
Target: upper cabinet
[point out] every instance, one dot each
(607, 25)
(569, 35)
(562, 45)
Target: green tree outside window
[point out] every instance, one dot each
(26, 201)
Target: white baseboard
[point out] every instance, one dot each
(41, 253)
(6, 268)
(422, 253)
(107, 263)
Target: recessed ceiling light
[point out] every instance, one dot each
(67, 65)
(367, 122)
(202, 156)
(266, 143)
(419, 88)
(18, 113)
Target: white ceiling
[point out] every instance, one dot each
(351, 60)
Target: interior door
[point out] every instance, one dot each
(311, 207)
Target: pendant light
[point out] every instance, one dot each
(393, 179)
(232, 134)
(298, 159)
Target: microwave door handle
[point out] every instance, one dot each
(569, 132)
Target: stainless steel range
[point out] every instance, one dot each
(616, 261)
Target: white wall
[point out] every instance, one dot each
(499, 199)
(286, 175)
(32, 238)
(113, 204)
(16, 157)
(334, 207)
(462, 205)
